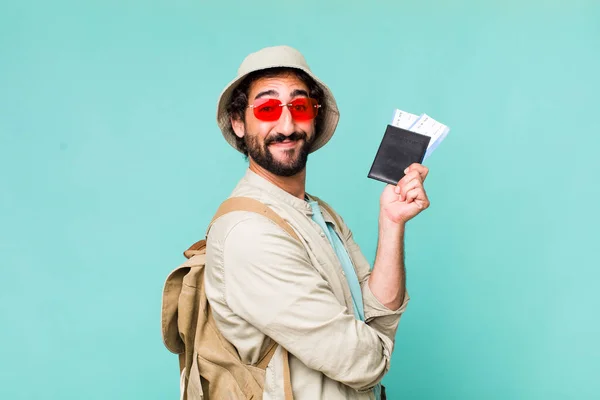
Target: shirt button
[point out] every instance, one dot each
(322, 234)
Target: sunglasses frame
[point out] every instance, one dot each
(288, 105)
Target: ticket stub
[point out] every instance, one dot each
(423, 124)
(404, 120)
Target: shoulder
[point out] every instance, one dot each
(243, 230)
(246, 248)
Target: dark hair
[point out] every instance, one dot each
(238, 102)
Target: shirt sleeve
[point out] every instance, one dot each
(377, 315)
(269, 281)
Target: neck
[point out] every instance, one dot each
(294, 185)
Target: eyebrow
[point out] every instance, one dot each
(271, 92)
(299, 92)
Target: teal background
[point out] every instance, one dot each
(112, 164)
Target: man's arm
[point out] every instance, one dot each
(398, 204)
(378, 315)
(388, 278)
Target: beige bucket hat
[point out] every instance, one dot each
(278, 56)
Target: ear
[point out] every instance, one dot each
(238, 127)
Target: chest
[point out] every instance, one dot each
(325, 260)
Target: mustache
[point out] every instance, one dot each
(280, 138)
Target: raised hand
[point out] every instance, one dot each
(402, 202)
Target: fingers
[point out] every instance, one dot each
(413, 171)
(410, 187)
(406, 187)
(418, 196)
(407, 178)
(407, 182)
(421, 169)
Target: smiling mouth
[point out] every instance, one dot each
(285, 143)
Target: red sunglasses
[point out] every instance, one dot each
(302, 109)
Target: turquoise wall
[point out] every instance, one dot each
(111, 164)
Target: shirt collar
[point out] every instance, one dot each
(262, 184)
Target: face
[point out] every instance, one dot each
(281, 146)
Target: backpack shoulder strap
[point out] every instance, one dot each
(253, 205)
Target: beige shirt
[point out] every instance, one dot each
(261, 283)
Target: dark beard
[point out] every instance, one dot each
(261, 154)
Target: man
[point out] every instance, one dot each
(317, 298)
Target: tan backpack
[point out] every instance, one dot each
(210, 366)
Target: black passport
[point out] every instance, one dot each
(399, 149)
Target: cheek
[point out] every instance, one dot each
(306, 126)
(258, 128)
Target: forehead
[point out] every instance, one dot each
(278, 86)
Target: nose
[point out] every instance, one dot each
(285, 124)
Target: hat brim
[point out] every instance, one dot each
(330, 110)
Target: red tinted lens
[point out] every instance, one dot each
(303, 108)
(267, 109)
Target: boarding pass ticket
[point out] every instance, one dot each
(423, 124)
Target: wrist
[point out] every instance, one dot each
(387, 225)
